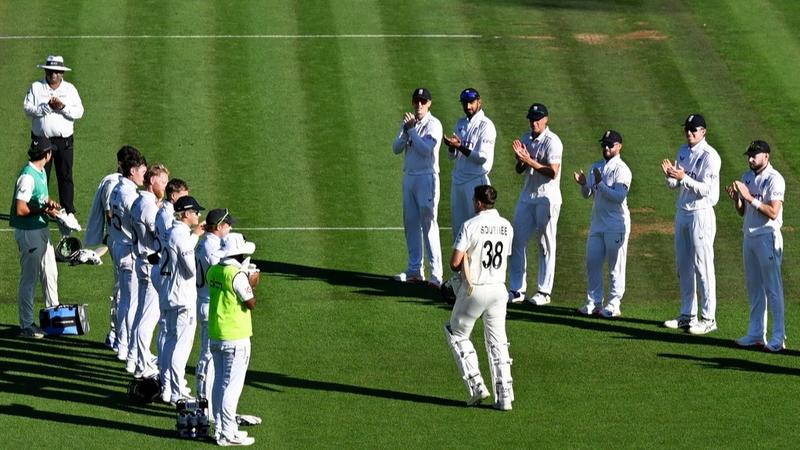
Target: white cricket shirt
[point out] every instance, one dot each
(545, 149)
(179, 268)
(478, 135)
(699, 189)
(421, 146)
(610, 212)
(767, 186)
(122, 198)
(486, 239)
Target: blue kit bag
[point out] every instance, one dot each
(64, 319)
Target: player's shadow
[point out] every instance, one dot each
(363, 283)
(569, 317)
(59, 417)
(735, 364)
(266, 381)
(66, 369)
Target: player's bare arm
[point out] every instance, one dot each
(456, 260)
(733, 193)
(454, 144)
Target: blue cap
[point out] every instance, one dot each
(469, 95)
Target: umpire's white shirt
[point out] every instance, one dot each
(122, 198)
(486, 239)
(699, 189)
(46, 121)
(767, 186)
(179, 269)
(421, 145)
(610, 212)
(478, 135)
(545, 149)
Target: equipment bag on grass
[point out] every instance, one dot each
(64, 319)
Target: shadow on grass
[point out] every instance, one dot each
(364, 283)
(18, 410)
(735, 364)
(64, 369)
(569, 317)
(263, 380)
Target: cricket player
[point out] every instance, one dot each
(419, 139)
(176, 188)
(538, 155)
(144, 211)
(608, 184)
(480, 252)
(209, 251)
(121, 234)
(179, 295)
(97, 230)
(695, 174)
(231, 283)
(472, 147)
(759, 198)
(29, 214)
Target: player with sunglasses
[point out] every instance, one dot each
(419, 139)
(695, 174)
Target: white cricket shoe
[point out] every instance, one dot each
(703, 326)
(587, 309)
(775, 347)
(434, 283)
(481, 394)
(239, 441)
(609, 312)
(684, 322)
(516, 296)
(749, 341)
(406, 278)
(540, 299)
(130, 366)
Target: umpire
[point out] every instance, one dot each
(54, 105)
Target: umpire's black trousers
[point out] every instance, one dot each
(62, 159)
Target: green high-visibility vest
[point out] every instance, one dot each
(228, 317)
(40, 195)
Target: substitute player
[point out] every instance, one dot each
(538, 155)
(759, 198)
(472, 146)
(480, 252)
(229, 329)
(179, 295)
(144, 211)
(419, 139)
(121, 234)
(608, 184)
(29, 218)
(695, 174)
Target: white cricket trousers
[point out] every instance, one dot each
(694, 258)
(124, 262)
(37, 262)
(147, 315)
(231, 359)
(763, 256)
(462, 207)
(180, 325)
(420, 211)
(487, 300)
(611, 248)
(204, 372)
(539, 220)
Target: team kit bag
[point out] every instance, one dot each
(64, 319)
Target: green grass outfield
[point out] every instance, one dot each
(284, 112)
